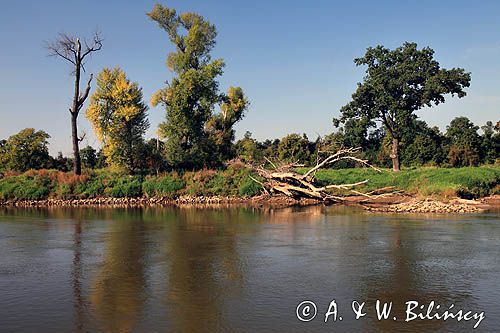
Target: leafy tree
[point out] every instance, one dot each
(195, 137)
(464, 142)
(101, 160)
(70, 49)
(295, 148)
(25, 150)
(118, 116)
(490, 145)
(61, 163)
(398, 83)
(422, 145)
(151, 156)
(270, 148)
(220, 126)
(89, 157)
(247, 149)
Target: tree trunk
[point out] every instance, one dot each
(395, 154)
(77, 164)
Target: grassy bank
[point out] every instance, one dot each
(235, 181)
(45, 184)
(470, 182)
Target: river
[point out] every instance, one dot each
(242, 269)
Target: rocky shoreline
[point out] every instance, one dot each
(392, 204)
(429, 206)
(184, 200)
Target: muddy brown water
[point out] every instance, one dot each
(242, 269)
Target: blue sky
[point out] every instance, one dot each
(294, 59)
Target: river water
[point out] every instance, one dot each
(242, 269)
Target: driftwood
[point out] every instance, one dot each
(284, 179)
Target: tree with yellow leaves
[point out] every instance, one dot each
(118, 116)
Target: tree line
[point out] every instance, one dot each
(461, 144)
(198, 130)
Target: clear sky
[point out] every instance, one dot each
(294, 59)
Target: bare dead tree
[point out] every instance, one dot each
(70, 49)
(284, 179)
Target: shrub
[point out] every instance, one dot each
(476, 188)
(124, 187)
(162, 186)
(249, 187)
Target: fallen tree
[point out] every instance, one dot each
(284, 178)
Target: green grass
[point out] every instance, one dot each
(472, 182)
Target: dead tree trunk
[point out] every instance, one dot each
(285, 180)
(70, 49)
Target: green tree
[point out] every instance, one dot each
(151, 156)
(89, 157)
(295, 148)
(398, 83)
(194, 136)
(464, 142)
(61, 163)
(247, 149)
(220, 126)
(490, 145)
(118, 116)
(25, 150)
(422, 145)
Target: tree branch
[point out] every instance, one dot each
(284, 179)
(84, 96)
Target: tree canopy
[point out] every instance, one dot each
(118, 116)
(195, 137)
(25, 150)
(398, 83)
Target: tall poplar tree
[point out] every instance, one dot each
(193, 135)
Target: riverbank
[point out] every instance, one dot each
(397, 203)
(440, 190)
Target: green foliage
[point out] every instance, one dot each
(89, 157)
(249, 188)
(23, 187)
(398, 83)
(247, 149)
(421, 145)
(124, 187)
(25, 150)
(294, 147)
(464, 142)
(118, 116)
(61, 163)
(467, 182)
(231, 181)
(167, 185)
(421, 181)
(196, 137)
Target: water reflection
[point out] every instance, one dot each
(79, 304)
(238, 269)
(117, 293)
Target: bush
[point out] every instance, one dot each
(249, 187)
(24, 187)
(164, 186)
(124, 187)
(476, 188)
